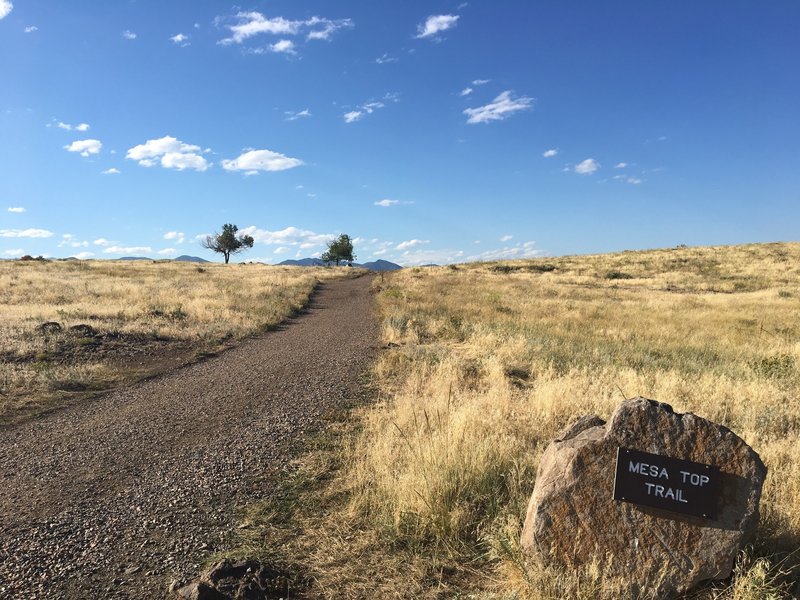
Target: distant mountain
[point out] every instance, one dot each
(134, 258)
(381, 265)
(187, 258)
(378, 265)
(303, 262)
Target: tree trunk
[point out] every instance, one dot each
(227, 257)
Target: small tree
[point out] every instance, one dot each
(227, 242)
(339, 249)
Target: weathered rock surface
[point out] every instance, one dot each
(241, 580)
(572, 516)
(200, 591)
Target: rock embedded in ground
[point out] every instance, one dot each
(49, 327)
(200, 591)
(242, 580)
(573, 518)
(83, 330)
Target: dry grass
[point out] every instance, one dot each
(145, 315)
(487, 362)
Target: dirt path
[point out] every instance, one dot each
(119, 497)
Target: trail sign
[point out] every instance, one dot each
(667, 483)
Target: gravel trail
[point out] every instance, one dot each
(128, 493)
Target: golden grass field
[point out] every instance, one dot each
(485, 363)
(146, 315)
(423, 495)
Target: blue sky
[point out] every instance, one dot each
(437, 131)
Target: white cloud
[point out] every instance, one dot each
(249, 24)
(85, 147)
(84, 255)
(180, 38)
(500, 108)
(480, 81)
(621, 165)
(15, 252)
(178, 236)
(382, 60)
(436, 24)
(181, 161)
(387, 203)
(25, 233)
(368, 108)
(166, 251)
(5, 7)
(31, 29)
(170, 152)
(254, 23)
(281, 250)
(254, 161)
(283, 46)
(68, 127)
(587, 167)
(73, 242)
(156, 148)
(16, 209)
(465, 92)
(293, 116)
(323, 28)
(103, 242)
(291, 236)
(506, 238)
(550, 153)
(407, 245)
(633, 180)
(526, 250)
(128, 35)
(425, 257)
(128, 250)
(111, 171)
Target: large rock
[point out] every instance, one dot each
(573, 519)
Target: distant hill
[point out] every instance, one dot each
(303, 262)
(187, 258)
(381, 265)
(378, 265)
(134, 258)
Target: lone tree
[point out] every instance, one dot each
(227, 242)
(339, 249)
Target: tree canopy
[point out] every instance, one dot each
(339, 249)
(227, 242)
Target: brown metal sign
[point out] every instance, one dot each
(680, 486)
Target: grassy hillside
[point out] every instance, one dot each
(485, 363)
(143, 316)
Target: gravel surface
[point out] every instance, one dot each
(127, 494)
